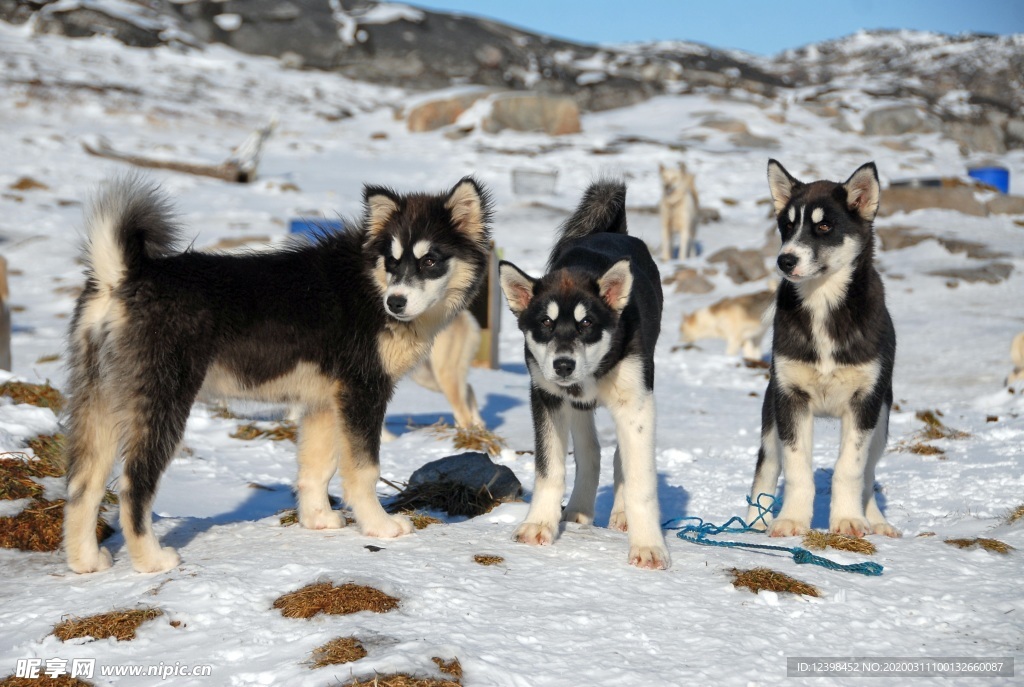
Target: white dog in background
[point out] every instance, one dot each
(680, 211)
(1017, 356)
(741, 321)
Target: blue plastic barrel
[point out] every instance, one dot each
(996, 177)
(314, 228)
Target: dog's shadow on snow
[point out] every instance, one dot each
(823, 498)
(672, 499)
(493, 414)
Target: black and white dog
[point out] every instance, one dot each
(330, 326)
(591, 324)
(832, 352)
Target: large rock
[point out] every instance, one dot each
(533, 112)
(908, 199)
(991, 273)
(440, 112)
(741, 265)
(689, 280)
(1006, 205)
(896, 120)
(473, 470)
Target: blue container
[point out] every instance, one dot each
(315, 228)
(996, 177)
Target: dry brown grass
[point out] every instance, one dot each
(451, 497)
(324, 597)
(51, 358)
(16, 479)
(763, 578)
(280, 432)
(289, 517)
(1014, 515)
(421, 520)
(923, 449)
(42, 395)
(44, 681)
(27, 184)
(484, 559)
(469, 438)
(452, 667)
(935, 428)
(338, 651)
(993, 545)
(40, 527)
(49, 452)
(121, 625)
(819, 541)
(401, 680)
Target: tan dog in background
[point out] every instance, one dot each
(1017, 356)
(680, 211)
(446, 369)
(740, 321)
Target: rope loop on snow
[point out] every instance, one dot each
(699, 532)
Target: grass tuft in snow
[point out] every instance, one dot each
(289, 517)
(993, 545)
(49, 451)
(280, 432)
(422, 520)
(483, 559)
(121, 625)
(324, 597)
(40, 527)
(402, 680)
(1014, 515)
(44, 681)
(922, 449)
(42, 395)
(469, 438)
(819, 541)
(935, 428)
(338, 651)
(763, 578)
(16, 479)
(452, 667)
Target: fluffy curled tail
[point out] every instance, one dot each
(129, 221)
(602, 210)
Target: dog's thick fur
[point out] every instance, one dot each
(680, 211)
(833, 350)
(1017, 356)
(591, 324)
(739, 320)
(330, 325)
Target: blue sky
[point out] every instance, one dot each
(759, 26)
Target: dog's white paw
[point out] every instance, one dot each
(577, 517)
(321, 520)
(851, 526)
(535, 533)
(756, 523)
(164, 559)
(95, 562)
(886, 529)
(389, 527)
(649, 557)
(785, 527)
(617, 521)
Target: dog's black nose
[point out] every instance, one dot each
(564, 366)
(396, 304)
(787, 261)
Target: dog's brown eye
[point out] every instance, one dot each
(586, 323)
(428, 262)
(547, 322)
(824, 228)
(789, 225)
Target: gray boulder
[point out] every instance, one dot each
(473, 470)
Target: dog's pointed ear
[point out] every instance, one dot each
(517, 287)
(380, 204)
(616, 284)
(468, 203)
(862, 191)
(782, 184)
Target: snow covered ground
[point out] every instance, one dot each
(573, 613)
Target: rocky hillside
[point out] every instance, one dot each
(967, 87)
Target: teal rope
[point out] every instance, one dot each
(698, 534)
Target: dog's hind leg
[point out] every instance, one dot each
(318, 461)
(877, 521)
(617, 519)
(551, 439)
(359, 423)
(90, 450)
(587, 452)
(451, 356)
(666, 231)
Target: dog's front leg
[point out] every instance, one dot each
(846, 514)
(634, 415)
(794, 423)
(359, 426)
(318, 461)
(551, 438)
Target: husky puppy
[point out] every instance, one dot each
(680, 211)
(1017, 356)
(832, 352)
(591, 324)
(739, 320)
(330, 325)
